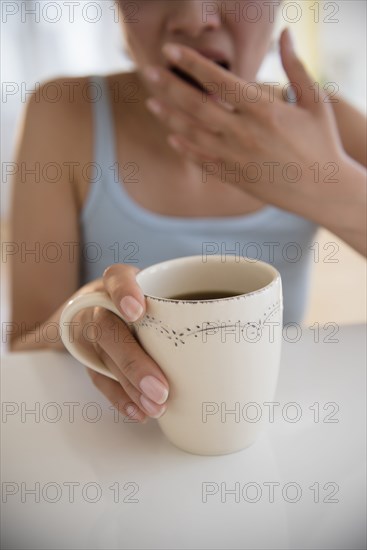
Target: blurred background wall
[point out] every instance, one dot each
(43, 40)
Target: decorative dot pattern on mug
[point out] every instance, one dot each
(179, 335)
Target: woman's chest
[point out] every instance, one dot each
(162, 185)
(152, 174)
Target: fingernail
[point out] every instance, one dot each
(172, 51)
(154, 389)
(152, 409)
(130, 308)
(151, 74)
(154, 105)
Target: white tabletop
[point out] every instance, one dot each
(133, 489)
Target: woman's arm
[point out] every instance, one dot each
(352, 126)
(43, 247)
(342, 208)
(45, 259)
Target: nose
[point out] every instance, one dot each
(193, 17)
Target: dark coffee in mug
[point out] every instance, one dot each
(205, 295)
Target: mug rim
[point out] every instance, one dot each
(214, 257)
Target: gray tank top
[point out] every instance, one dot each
(116, 229)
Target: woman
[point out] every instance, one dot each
(148, 166)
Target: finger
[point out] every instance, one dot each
(131, 360)
(177, 92)
(206, 72)
(117, 396)
(182, 124)
(226, 88)
(144, 404)
(297, 74)
(179, 121)
(120, 283)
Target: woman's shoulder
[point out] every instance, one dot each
(60, 109)
(54, 105)
(73, 95)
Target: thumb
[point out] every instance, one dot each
(303, 84)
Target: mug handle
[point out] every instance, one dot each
(70, 310)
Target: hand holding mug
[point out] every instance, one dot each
(129, 378)
(214, 327)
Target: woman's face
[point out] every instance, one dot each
(235, 32)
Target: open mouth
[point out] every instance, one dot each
(223, 64)
(190, 80)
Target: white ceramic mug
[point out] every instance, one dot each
(220, 357)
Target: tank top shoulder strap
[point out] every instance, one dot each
(103, 142)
